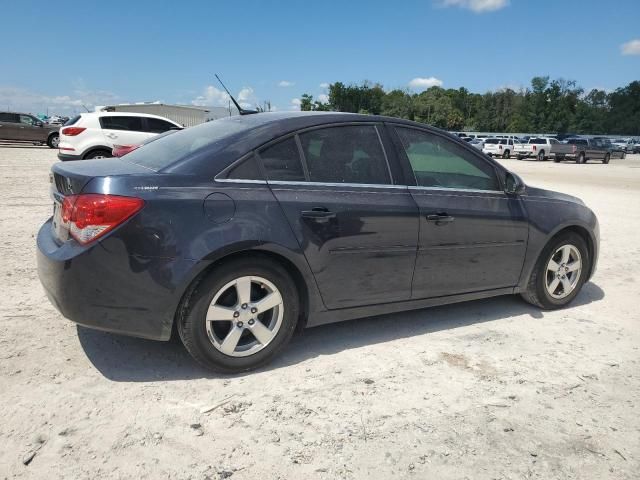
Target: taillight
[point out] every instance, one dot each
(534, 148)
(500, 147)
(574, 149)
(92, 215)
(120, 150)
(72, 131)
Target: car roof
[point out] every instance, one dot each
(125, 114)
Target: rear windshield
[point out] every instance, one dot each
(177, 146)
(492, 140)
(72, 120)
(537, 140)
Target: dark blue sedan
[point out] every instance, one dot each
(238, 231)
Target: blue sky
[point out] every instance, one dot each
(68, 53)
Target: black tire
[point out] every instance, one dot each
(581, 158)
(557, 159)
(52, 141)
(536, 292)
(606, 158)
(519, 157)
(192, 326)
(98, 154)
(506, 154)
(541, 156)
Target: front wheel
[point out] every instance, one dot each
(560, 272)
(240, 316)
(606, 158)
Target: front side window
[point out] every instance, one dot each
(27, 120)
(346, 154)
(282, 161)
(122, 123)
(438, 162)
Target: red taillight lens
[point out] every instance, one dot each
(72, 131)
(574, 149)
(92, 215)
(120, 150)
(534, 148)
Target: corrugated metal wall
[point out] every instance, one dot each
(185, 116)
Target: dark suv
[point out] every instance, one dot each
(23, 127)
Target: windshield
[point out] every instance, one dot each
(169, 149)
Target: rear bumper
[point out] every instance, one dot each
(67, 156)
(103, 287)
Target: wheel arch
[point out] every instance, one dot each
(299, 279)
(95, 148)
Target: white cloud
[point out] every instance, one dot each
(323, 98)
(211, 97)
(295, 104)
(324, 85)
(422, 83)
(477, 6)
(286, 83)
(21, 99)
(632, 47)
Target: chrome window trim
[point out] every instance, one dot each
(466, 190)
(327, 184)
(235, 180)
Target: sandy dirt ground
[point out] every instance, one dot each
(493, 389)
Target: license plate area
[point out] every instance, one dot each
(59, 226)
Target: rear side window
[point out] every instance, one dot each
(155, 125)
(247, 169)
(441, 163)
(349, 154)
(121, 123)
(9, 117)
(282, 161)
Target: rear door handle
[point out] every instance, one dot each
(319, 214)
(440, 218)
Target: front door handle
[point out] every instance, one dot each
(440, 218)
(318, 214)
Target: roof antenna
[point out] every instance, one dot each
(241, 110)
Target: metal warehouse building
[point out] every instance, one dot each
(185, 115)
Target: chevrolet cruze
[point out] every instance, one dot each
(238, 231)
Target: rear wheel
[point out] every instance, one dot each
(581, 158)
(541, 156)
(98, 154)
(53, 141)
(506, 154)
(560, 272)
(606, 158)
(240, 316)
(557, 159)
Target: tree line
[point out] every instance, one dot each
(547, 106)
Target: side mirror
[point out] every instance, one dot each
(513, 184)
(39, 124)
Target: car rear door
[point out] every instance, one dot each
(123, 130)
(472, 235)
(357, 227)
(9, 126)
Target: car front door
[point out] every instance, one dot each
(472, 235)
(123, 130)
(29, 129)
(357, 227)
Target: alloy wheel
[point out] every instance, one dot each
(244, 316)
(563, 271)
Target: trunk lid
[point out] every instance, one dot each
(69, 178)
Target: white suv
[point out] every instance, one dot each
(94, 135)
